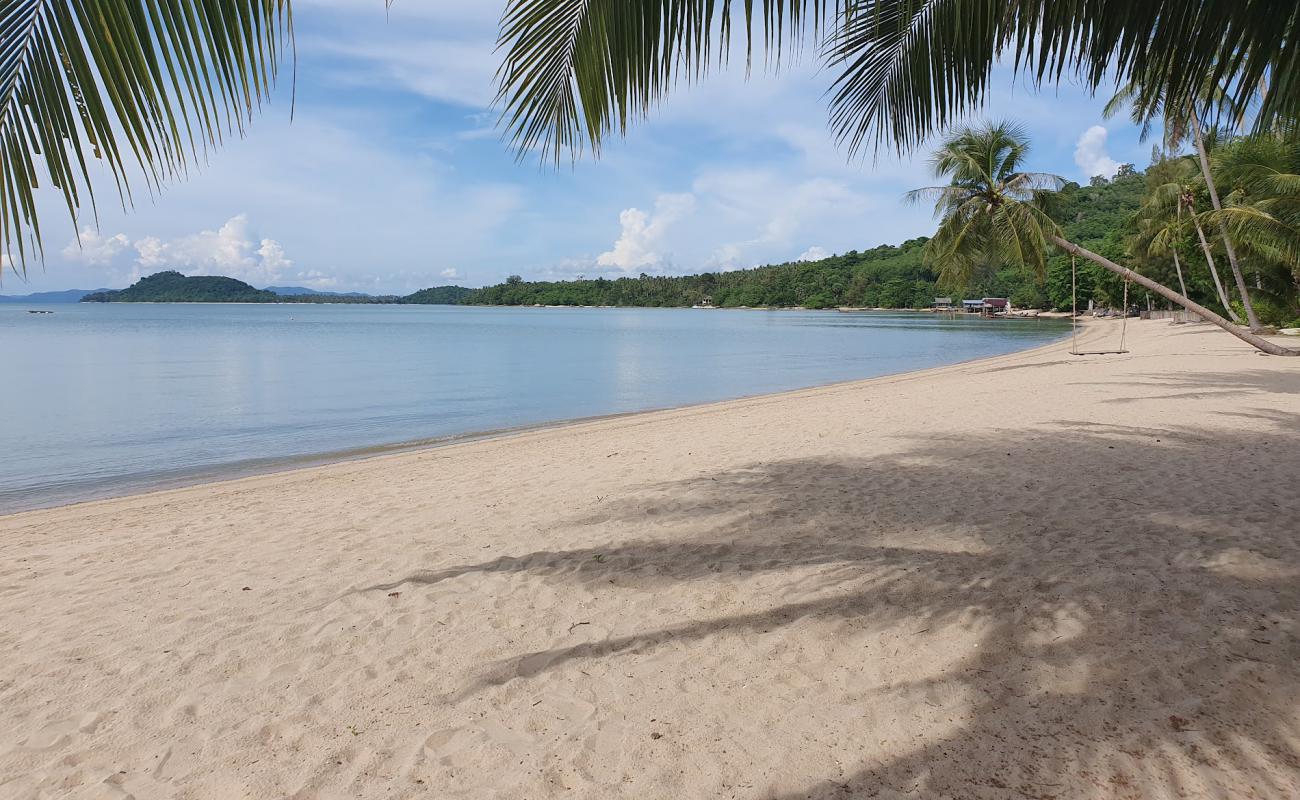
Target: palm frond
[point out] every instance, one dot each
(577, 70)
(153, 82)
(1265, 233)
(910, 67)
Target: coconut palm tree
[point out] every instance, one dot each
(1183, 121)
(1263, 211)
(1187, 201)
(153, 83)
(991, 206)
(1171, 191)
(1158, 221)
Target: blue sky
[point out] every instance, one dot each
(392, 177)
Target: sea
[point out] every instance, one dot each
(107, 399)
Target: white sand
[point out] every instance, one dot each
(1032, 576)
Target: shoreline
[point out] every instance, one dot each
(1032, 570)
(256, 468)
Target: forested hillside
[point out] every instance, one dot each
(887, 276)
(173, 287)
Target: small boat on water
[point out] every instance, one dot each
(38, 311)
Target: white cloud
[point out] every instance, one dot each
(92, 249)
(763, 213)
(451, 274)
(643, 234)
(1091, 156)
(272, 255)
(813, 253)
(230, 250)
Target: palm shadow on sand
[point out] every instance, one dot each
(1198, 674)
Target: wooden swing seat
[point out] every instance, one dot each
(1074, 318)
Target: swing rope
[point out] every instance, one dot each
(1074, 316)
(1123, 325)
(1074, 303)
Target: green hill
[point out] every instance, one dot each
(173, 287)
(439, 295)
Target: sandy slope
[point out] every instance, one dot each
(1032, 576)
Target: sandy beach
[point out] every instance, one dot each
(1033, 576)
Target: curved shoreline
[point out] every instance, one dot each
(277, 465)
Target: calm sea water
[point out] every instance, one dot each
(107, 399)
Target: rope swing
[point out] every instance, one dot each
(1074, 317)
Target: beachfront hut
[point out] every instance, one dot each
(972, 306)
(942, 304)
(994, 305)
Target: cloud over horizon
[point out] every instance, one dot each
(1090, 154)
(643, 235)
(230, 250)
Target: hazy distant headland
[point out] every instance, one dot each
(888, 276)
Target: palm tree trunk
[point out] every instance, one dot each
(1252, 319)
(1257, 342)
(1182, 286)
(1178, 267)
(1214, 273)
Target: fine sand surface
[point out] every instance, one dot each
(1032, 576)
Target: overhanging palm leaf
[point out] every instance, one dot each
(150, 81)
(576, 70)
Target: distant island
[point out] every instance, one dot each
(888, 276)
(173, 287)
(64, 296)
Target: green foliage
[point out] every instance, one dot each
(992, 212)
(439, 295)
(173, 287)
(886, 276)
(1260, 178)
(1099, 218)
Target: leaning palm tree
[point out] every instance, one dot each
(991, 206)
(145, 83)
